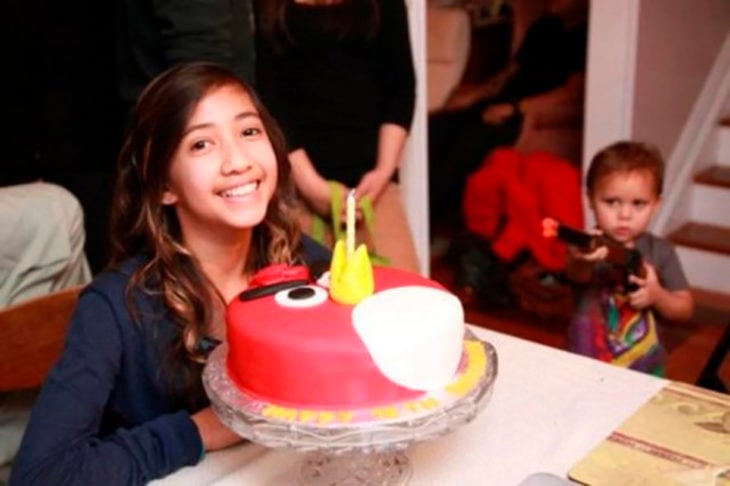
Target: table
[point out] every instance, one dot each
(549, 408)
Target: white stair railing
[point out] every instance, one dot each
(687, 154)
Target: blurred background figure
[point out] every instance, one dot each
(545, 72)
(154, 36)
(339, 77)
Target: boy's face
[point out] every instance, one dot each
(624, 203)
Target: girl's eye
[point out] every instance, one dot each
(251, 131)
(302, 296)
(199, 145)
(611, 201)
(640, 204)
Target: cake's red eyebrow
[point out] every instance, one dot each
(264, 290)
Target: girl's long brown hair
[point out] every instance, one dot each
(343, 18)
(141, 224)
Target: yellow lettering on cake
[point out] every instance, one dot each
(385, 413)
(280, 413)
(268, 411)
(412, 406)
(344, 417)
(476, 366)
(325, 418)
(307, 416)
(430, 403)
(321, 417)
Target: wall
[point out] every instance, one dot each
(610, 75)
(647, 62)
(678, 42)
(414, 167)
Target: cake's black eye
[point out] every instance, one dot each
(301, 293)
(302, 296)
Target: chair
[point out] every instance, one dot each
(31, 337)
(32, 334)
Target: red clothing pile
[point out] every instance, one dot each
(507, 198)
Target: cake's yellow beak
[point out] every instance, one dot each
(351, 280)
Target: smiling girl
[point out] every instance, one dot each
(613, 323)
(202, 202)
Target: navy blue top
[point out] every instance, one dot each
(107, 413)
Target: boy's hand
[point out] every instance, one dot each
(649, 288)
(579, 266)
(595, 255)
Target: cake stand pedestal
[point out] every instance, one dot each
(356, 447)
(355, 469)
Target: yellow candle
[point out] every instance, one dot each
(350, 220)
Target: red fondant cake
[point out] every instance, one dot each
(299, 348)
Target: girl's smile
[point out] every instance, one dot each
(240, 191)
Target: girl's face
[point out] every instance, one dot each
(623, 203)
(224, 171)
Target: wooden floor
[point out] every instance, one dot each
(688, 344)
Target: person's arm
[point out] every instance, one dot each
(391, 140)
(470, 94)
(561, 105)
(569, 94)
(398, 80)
(314, 188)
(64, 442)
(675, 305)
(214, 433)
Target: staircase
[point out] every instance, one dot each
(703, 240)
(695, 213)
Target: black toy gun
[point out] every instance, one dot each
(624, 258)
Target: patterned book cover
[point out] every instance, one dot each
(681, 436)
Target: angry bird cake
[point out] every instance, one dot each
(358, 337)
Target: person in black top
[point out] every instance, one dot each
(152, 36)
(339, 77)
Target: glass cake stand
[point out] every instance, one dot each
(356, 447)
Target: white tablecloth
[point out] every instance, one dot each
(549, 409)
